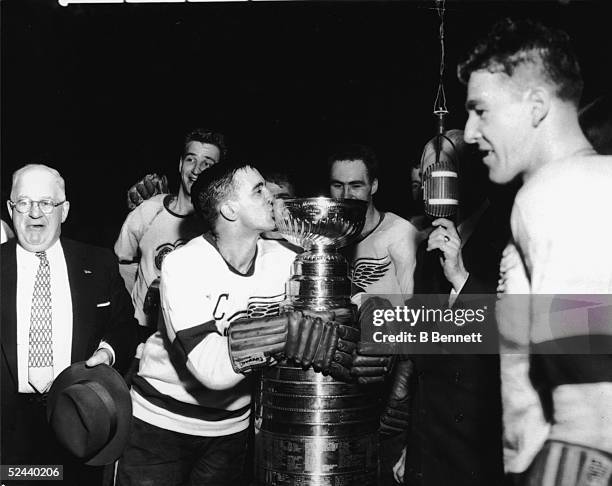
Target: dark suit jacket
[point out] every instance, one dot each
(455, 432)
(94, 278)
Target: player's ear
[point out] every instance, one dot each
(540, 104)
(229, 210)
(374, 187)
(65, 209)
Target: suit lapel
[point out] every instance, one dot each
(9, 309)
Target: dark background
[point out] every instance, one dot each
(104, 93)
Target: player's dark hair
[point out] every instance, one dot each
(203, 135)
(212, 187)
(355, 152)
(511, 44)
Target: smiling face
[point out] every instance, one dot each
(252, 200)
(197, 158)
(35, 230)
(500, 122)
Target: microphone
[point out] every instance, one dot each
(440, 191)
(440, 177)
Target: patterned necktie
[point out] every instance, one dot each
(40, 352)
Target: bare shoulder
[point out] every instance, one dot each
(569, 181)
(398, 226)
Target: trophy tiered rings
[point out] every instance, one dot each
(311, 430)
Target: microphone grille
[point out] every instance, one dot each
(441, 189)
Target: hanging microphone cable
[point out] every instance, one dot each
(440, 178)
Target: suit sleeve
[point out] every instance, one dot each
(120, 328)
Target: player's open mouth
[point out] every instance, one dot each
(487, 156)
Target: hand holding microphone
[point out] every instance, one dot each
(446, 239)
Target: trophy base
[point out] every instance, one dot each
(319, 304)
(311, 430)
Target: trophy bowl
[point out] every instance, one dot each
(319, 222)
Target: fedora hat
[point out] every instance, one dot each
(90, 411)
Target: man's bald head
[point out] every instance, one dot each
(39, 169)
(38, 191)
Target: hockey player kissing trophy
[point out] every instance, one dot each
(315, 425)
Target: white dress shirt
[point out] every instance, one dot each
(61, 310)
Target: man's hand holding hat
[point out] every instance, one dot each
(101, 356)
(90, 411)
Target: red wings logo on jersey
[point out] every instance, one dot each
(264, 306)
(260, 307)
(162, 250)
(367, 271)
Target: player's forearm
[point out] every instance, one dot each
(403, 256)
(210, 363)
(405, 277)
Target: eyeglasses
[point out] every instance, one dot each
(24, 206)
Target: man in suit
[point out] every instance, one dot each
(62, 302)
(455, 430)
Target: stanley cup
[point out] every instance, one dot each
(320, 225)
(311, 430)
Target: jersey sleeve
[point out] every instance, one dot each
(126, 246)
(402, 252)
(188, 308)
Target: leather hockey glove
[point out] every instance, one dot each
(307, 340)
(150, 306)
(147, 187)
(318, 340)
(368, 366)
(254, 343)
(395, 418)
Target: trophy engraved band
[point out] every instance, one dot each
(310, 429)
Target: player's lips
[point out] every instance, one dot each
(487, 155)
